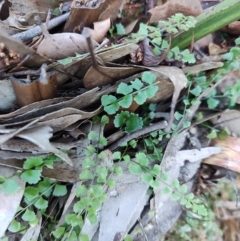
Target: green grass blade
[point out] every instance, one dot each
(211, 20)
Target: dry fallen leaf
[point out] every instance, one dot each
(63, 45)
(100, 30)
(187, 7)
(84, 16)
(9, 202)
(101, 75)
(124, 207)
(229, 158)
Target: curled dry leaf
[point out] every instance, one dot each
(179, 81)
(31, 59)
(83, 16)
(186, 7)
(35, 90)
(100, 30)
(233, 28)
(63, 45)
(40, 136)
(149, 58)
(229, 157)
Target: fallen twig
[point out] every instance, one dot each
(146, 130)
(35, 31)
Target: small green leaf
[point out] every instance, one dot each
(143, 29)
(140, 97)
(84, 237)
(59, 190)
(108, 99)
(134, 123)
(120, 29)
(151, 90)
(154, 183)
(69, 218)
(65, 61)
(157, 41)
(175, 196)
(41, 203)
(87, 163)
(72, 236)
(146, 177)
(31, 176)
(103, 155)
(183, 201)
(102, 172)
(85, 175)
(212, 103)
(44, 187)
(111, 109)
(175, 183)
(118, 171)
(126, 158)
(14, 226)
(90, 150)
(183, 188)
(237, 41)
(31, 193)
(78, 207)
(142, 159)
(137, 84)
(98, 190)
(92, 217)
(178, 116)
(102, 141)
(228, 56)
(212, 134)
(124, 89)
(28, 216)
(188, 205)
(166, 190)
(104, 120)
(116, 155)
(156, 170)
(10, 186)
(76, 221)
(188, 57)
(135, 168)
(32, 162)
(133, 143)
(126, 101)
(81, 191)
(92, 135)
(121, 118)
(111, 183)
(148, 77)
(186, 124)
(190, 196)
(196, 91)
(2, 179)
(58, 232)
(164, 176)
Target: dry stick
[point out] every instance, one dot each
(35, 31)
(146, 130)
